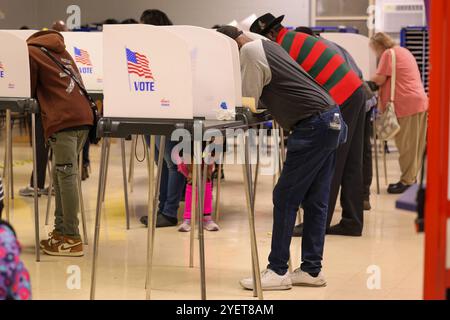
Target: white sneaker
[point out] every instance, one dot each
(301, 278)
(269, 281)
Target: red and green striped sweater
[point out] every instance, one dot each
(322, 63)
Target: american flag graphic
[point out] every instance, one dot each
(138, 64)
(82, 56)
(1, 66)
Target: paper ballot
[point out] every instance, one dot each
(249, 103)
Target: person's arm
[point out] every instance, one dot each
(255, 70)
(384, 69)
(379, 79)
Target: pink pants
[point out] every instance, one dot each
(188, 200)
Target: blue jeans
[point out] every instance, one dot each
(172, 182)
(305, 180)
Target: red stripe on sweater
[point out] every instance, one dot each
(281, 35)
(345, 88)
(314, 55)
(297, 45)
(329, 69)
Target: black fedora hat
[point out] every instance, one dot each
(263, 24)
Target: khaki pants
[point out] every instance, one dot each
(410, 142)
(66, 147)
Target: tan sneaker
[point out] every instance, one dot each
(68, 247)
(53, 238)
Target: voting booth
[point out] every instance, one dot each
(14, 66)
(180, 72)
(22, 34)
(214, 65)
(15, 96)
(358, 47)
(157, 80)
(86, 49)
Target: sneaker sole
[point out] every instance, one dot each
(310, 285)
(64, 254)
(277, 288)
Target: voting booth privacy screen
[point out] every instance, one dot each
(86, 49)
(22, 34)
(213, 67)
(176, 72)
(358, 47)
(147, 73)
(14, 67)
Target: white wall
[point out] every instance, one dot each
(204, 13)
(18, 13)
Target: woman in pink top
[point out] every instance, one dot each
(411, 105)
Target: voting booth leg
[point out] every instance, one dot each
(151, 214)
(193, 216)
(219, 179)
(98, 211)
(375, 145)
(248, 172)
(152, 210)
(11, 166)
(108, 151)
(80, 197)
(6, 171)
(257, 289)
(255, 184)
(385, 166)
(49, 196)
(125, 187)
(36, 203)
(132, 156)
(201, 178)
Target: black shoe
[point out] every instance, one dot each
(386, 147)
(144, 220)
(298, 230)
(367, 206)
(162, 221)
(84, 173)
(215, 174)
(397, 188)
(339, 230)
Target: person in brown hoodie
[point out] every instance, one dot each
(66, 118)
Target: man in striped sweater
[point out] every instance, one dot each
(327, 67)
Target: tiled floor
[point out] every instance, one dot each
(389, 245)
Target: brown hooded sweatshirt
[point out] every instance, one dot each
(63, 105)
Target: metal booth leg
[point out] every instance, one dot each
(193, 214)
(36, 203)
(257, 288)
(11, 165)
(201, 182)
(385, 166)
(153, 195)
(131, 170)
(101, 187)
(125, 187)
(6, 170)
(81, 200)
(219, 179)
(50, 189)
(375, 144)
(108, 151)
